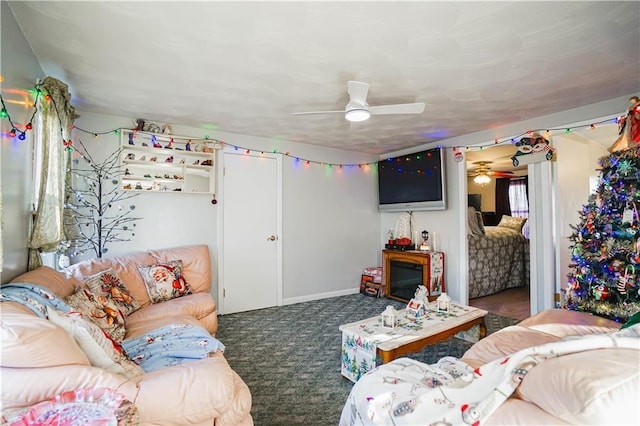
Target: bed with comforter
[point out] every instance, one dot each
(498, 257)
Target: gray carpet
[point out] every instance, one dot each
(289, 356)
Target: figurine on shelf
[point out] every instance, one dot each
(156, 144)
(187, 147)
(424, 246)
(131, 139)
(166, 129)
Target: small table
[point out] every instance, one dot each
(370, 338)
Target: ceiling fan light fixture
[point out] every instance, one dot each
(357, 114)
(482, 179)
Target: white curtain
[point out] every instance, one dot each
(519, 202)
(53, 126)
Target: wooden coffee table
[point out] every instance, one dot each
(412, 336)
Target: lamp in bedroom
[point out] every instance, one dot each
(481, 173)
(482, 179)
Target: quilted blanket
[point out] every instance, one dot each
(497, 261)
(408, 392)
(170, 345)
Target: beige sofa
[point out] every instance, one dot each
(41, 360)
(591, 387)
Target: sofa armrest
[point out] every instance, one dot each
(23, 387)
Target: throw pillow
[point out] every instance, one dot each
(100, 311)
(100, 349)
(480, 222)
(472, 222)
(109, 284)
(511, 222)
(164, 281)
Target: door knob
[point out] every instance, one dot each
(272, 238)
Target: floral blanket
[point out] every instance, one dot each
(34, 297)
(170, 345)
(408, 392)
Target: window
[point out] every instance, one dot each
(519, 202)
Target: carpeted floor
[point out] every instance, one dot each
(289, 356)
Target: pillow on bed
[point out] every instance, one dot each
(480, 222)
(473, 228)
(515, 223)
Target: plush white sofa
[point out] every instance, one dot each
(41, 360)
(556, 367)
(591, 387)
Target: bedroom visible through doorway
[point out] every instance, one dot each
(499, 262)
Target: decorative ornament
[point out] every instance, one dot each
(601, 292)
(417, 306)
(443, 303)
(388, 317)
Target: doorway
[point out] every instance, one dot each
(250, 258)
(498, 262)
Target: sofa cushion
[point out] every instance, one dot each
(197, 305)
(563, 322)
(28, 341)
(518, 412)
(590, 387)
(100, 349)
(196, 264)
(164, 281)
(109, 284)
(138, 328)
(23, 387)
(126, 266)
(55, 281)
(100, 311)
(504, 342)
(209, 383)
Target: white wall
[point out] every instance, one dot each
(330, 218)
(487, 193)
(20, 70)
(575, 167)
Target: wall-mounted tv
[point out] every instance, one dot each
(412, 182)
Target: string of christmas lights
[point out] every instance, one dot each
(16, 132)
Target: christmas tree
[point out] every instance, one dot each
(94, 211)
(606, 243)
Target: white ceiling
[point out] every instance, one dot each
(246, 67)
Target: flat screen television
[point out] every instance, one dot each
(412, 182)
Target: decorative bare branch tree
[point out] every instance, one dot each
(94, 214)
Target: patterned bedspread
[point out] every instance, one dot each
(497, 261)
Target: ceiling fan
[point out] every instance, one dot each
(482, 173)
(359, 110)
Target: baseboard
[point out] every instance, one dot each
(312, 297)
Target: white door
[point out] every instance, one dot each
(249, 266)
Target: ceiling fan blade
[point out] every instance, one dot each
(317, 112)
(416, 108)
(358, 92)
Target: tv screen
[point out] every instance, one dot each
(412, 182)
(475, 201)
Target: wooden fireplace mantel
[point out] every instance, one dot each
(432, 278)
